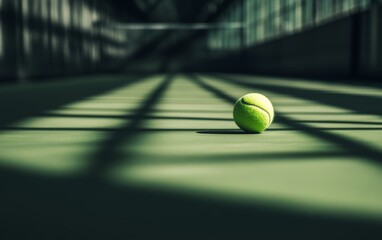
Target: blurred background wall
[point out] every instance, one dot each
(326, 38)
(42, 38)
(303, 38)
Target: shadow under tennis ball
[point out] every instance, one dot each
(236, 131)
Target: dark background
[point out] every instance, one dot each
(326, 39)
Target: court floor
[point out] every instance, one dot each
(159, 156)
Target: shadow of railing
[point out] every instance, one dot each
(20, 102)
(358, 103)
(132, 116)
(353, 147)
(107, 155)
(60, 208)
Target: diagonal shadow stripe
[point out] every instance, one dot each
(98, 210)
(20, 102)
(201, 159)
(342, 122)
(107, 156)
(198, 130)
(358, 103)
(83, 109)
(353, 147)
(92, 116)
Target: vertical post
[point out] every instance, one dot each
(9, 25)
(50, 57)
(243, 54)
(374, 32)
(314, 13)
(12, 39)
(20, 63)
(355, 51)
(242, 19)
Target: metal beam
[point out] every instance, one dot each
(171, 26)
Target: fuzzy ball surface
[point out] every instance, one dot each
(253, 113)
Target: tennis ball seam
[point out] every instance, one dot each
(252, 105)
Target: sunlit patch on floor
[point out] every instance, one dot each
(329, 186)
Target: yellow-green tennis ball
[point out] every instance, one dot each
(253, 112)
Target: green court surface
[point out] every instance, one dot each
(160, 157)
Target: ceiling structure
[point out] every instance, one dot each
(184, 11)
(169, 11)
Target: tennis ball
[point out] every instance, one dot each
(253, 112)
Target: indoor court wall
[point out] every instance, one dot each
(345, 46)
(54, 38)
